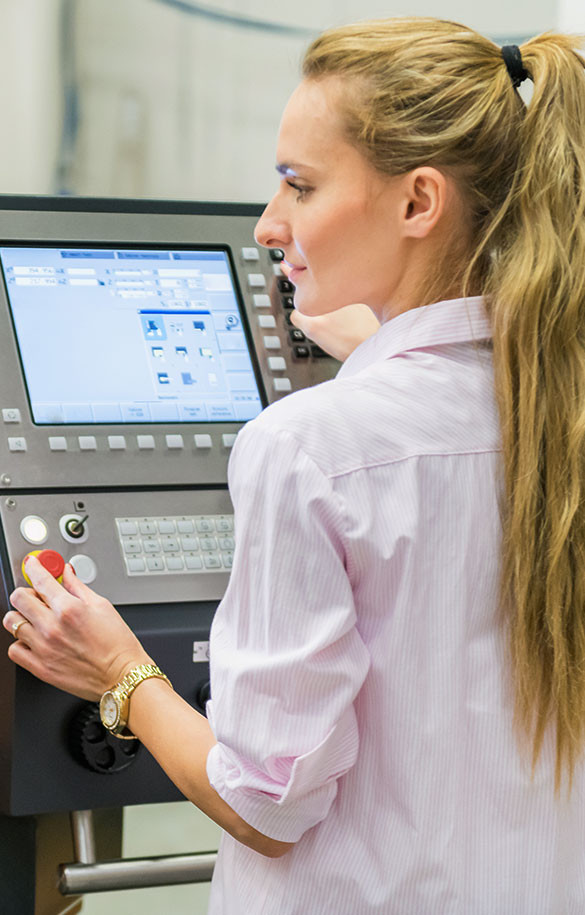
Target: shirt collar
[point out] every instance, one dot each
(452, 321)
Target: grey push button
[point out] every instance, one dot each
(151, 546)
(87, 443)
(185, 527)
(85, 568)
(189, 544)
(228, 439)
(17, 443)
(145, 442)
(193, 562)
(136, 564)
(117, 442)
(57, 443)
(205, 526)
(155, 564)
(276, 363)
(174, 441)
(166, 527)
(11, 415)
(256, 280)
(128, 528)
(174, 563)
(261, 300)
(170, 544)
(132, 546)
(208, 543)
(271, 342)
(250, 254)
(148, 527)
(212, 562)
(266, 321)
(282, 384)
(202, 441)
(225, 524)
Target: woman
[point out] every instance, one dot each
(398, 665)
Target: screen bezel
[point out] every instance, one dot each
(137, 246)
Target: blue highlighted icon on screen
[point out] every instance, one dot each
(153, 327)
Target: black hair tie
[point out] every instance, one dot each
(513, 60)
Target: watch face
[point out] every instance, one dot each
(109, 710)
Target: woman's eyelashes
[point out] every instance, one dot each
(301, 191)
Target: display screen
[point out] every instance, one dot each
(129, 335)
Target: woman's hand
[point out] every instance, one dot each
(71, 638)
(341, 331)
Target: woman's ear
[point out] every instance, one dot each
(425, 195)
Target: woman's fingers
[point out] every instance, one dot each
(338, 332)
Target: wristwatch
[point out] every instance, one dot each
(115, 702)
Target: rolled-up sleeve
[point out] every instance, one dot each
(287, 660)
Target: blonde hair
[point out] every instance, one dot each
(430, 92)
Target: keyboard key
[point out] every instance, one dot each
(166, 527)
(226, 543)
(147, 527)
(151, 546)
(132, 546)
(174, 563)
(228, 560)
(128, 527)
(155, 564)
(189, 544)
(185, 527)
(170, 544)
(193, 562)
(224, 524)
(207, 543)
(212, 561)
(136, 564)
(204, 525)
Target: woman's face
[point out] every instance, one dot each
(333, 215)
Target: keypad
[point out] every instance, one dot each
(177, 545)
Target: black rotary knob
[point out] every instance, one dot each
(94, 747)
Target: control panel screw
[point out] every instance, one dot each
(5, 479)
(10, 504)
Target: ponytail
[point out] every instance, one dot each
(536, 294)
(429, 92)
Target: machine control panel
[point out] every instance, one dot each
(136, 339)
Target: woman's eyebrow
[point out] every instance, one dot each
(290, 169)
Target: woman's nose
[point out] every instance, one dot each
(272, 230)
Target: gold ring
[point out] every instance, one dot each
(16, 627)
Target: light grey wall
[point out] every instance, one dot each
(172, 105)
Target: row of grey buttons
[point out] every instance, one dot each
(151, 544)
(119, 443)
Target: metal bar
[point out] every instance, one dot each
(135, 873)
(83, 836)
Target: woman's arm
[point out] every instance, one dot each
(76, 640)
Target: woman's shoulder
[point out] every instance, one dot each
(393, 410)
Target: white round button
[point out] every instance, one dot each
(85, 568)
(34, 529)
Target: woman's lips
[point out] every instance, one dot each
(295, 272)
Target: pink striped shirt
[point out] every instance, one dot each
(361, 694)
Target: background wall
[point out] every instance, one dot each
(142, 98)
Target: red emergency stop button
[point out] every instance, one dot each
(51, 560)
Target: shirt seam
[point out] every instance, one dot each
(408, 457)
